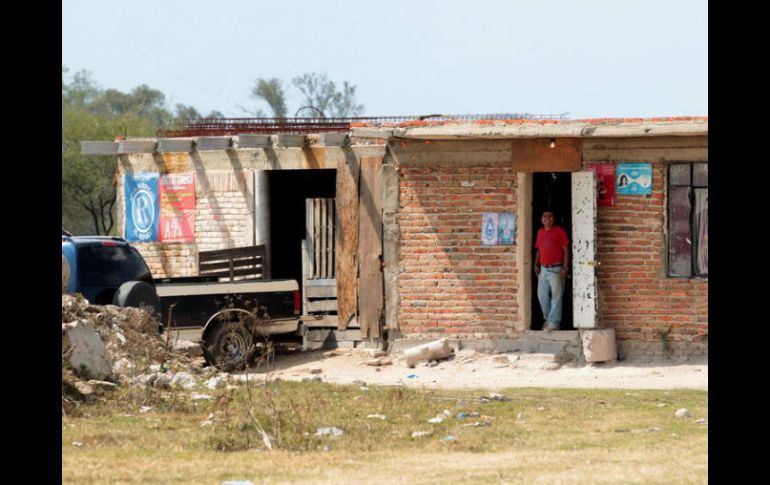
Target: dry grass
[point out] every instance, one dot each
(540, 436)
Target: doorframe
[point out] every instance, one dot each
(523, 251)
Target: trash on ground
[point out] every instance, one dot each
(329, 431)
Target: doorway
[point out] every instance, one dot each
(552, 190)
(288, 191)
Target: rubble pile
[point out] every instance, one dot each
(107, 345)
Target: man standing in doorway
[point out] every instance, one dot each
(551, 266)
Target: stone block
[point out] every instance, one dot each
(599, 345)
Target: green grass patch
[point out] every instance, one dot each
(598, 432)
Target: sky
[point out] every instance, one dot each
(586, 58)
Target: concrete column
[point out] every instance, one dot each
(523, 249)
(262, 216)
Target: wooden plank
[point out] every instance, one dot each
(370, 289)
(241, 252)
(537, 155)
(346, 238)
(316, 240)
(390, 244)
(236, 272)
(321, 306)
(321, 291)
(258, 262)
(330, 239)
(309, 236)
(322, 236)
(651, 155)
(305, 270)
(448, 146)
(321, 282)
(310, 321)
(677, 142)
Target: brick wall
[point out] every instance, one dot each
(448, 283)
(223, 220)
(637, 299)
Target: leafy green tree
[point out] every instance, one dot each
(91, 113)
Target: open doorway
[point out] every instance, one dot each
(552, 190)
(288, 191)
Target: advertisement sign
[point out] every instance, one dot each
(498, 228)
(634, 179)
(489, 224)
(141, 207)
(177, 207)
(605, 183)
(506, 228)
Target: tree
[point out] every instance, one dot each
(271, 92)
(91, 113)
(320, 97)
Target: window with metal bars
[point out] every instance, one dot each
(688, 198)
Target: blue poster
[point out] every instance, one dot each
(634, 179)
(142, 208)
(506, 228)
(489, 227)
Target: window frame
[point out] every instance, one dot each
(695, 242)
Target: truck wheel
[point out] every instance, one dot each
(229, 346)
(138, 294)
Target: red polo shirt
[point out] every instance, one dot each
(551, 245)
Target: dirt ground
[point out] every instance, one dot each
(470, 369)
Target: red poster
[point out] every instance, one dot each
(177, 207)
(605, 183)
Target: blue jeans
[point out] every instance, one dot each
(550, 289)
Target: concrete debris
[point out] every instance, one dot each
(682, 413)
(190, 349)
(84, 388)
(436, 350)
(379, 353)
(599, 345)
(216, 383)
(379, 362)
(184, 380)
(162, 381)
(112, 346)
(103, 385)
(89, 356)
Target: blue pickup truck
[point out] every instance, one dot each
(230, 307)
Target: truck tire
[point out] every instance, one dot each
(138, 294)
(229, 346)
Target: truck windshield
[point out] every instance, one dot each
(109, 266)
